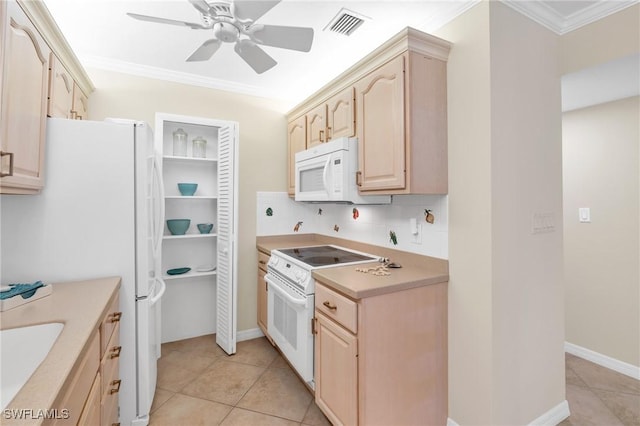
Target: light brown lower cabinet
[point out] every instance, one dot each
(263, 259)
(382, 360)
(90, 396)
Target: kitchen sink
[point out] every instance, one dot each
(22, 350)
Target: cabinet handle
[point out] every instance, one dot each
(321, 136)
(115, 352)
(329, 133)
(115, 424)
(313, 326)
(116, 317)
(330, 306)
(359, 178)
(73, 114)
(115, 383)
(10, 154)
(262, 262)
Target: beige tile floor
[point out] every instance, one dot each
(600, 397)
(198, 384)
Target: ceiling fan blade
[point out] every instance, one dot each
(167, 21)
(252, 9)
(201, 5)
(253, 55)
(294, 38)
(206, 51)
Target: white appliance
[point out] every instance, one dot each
(327, 173)
(99, 214)
(291, 295)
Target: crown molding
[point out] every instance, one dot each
(545, 15)
(178, 77)
(436, 22)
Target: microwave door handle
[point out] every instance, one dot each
(325, 176)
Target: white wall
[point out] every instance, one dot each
(372, 225)
(602, 258)
(506, 313)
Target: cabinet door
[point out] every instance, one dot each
(380, 125)
(317, 126)
(24, 103)
(341, 115)
(336, 375)
(297, 141)
(60, 89)
(79, 109)
(262, 301)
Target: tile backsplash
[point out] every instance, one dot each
(277, 214)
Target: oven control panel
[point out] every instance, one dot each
(290, 270)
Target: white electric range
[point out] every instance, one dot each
(290, 299)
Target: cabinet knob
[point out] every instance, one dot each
(10, 154)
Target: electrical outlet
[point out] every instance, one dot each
(417, 237)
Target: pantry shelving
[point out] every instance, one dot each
(212, 203)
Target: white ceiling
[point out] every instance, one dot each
(103, 36)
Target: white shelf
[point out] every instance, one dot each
(189, 159)
(188, 236)
(192, 197)
(190, 274)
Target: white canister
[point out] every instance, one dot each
(199, 147)
(180, 143)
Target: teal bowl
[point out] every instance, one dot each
(178, 226)
(205, 228)
(187, 189)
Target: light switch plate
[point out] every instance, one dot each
(584, 214)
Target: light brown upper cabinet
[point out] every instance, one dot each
(79, 107)
(60, 89)
(341, 115)
(332, 119)
(395, 102)
(317, 125)
(402, 127)
(296, 142)
(381, 131)
(25, 82)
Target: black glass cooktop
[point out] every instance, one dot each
(317, 256)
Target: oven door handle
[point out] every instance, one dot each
(273, 285)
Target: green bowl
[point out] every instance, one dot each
(187, 189)
(178, 226)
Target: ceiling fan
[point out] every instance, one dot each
(235, 23)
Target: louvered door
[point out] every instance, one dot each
(226, 289)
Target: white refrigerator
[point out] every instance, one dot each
(99, 214)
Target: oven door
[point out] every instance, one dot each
(289, 315)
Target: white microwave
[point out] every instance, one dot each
(327, 173)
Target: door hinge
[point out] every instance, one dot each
(314, 331)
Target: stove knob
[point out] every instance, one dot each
(273, 261)
(303, 276)
(298, 275)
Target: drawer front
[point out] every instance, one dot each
(91, 413)
(79, 387)
(109, 322)
(338, 307)
(109, 367)
(263, 259)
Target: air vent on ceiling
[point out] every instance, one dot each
(345, 22)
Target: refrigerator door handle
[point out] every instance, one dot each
(158, 215)
(158, 296)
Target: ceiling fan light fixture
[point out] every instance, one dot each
(226, 32)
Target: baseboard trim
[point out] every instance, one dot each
(603, 360)
(252, 333)
(554, 416)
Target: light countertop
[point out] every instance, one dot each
(417, 270)
(80, 306)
